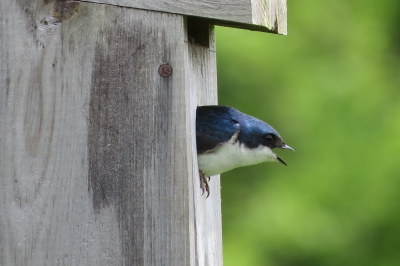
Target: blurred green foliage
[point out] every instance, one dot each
(332, 89)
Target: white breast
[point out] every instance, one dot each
(233, 155)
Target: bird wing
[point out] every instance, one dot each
(214, 129)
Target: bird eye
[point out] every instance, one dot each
(269, 137)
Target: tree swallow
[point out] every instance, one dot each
(227, 139)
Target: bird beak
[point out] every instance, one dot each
(280, 160)
(287, 147)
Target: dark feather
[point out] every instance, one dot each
(214, 126)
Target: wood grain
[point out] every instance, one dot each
(97, 151)
(202, 79)
(259, 15)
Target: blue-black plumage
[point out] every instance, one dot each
(227, 138)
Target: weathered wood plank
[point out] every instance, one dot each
(202, 79)
(138, 135)
(97, 150)
(260, 15)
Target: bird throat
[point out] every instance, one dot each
(231, 155)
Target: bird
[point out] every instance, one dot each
(227, 138)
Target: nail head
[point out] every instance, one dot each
(165, 70)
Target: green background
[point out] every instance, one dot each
(332, 90)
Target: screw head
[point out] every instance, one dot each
(165, 70)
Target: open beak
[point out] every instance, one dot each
(287, 147)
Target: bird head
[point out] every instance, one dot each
(260, 136)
